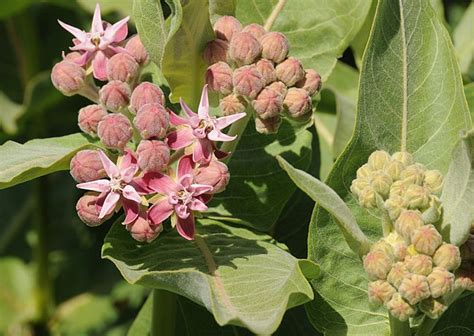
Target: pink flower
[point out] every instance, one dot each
(99, 44)
(200, 130)
(181, 196)
(121, 186)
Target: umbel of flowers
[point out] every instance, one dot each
(411, 267)
(157, 165)
(248, 65)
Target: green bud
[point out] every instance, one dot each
(426, 239)
(394, 169)
(377, 264)
(447, 256)
(367, 198)
(405, 158)
(434, 180)
(407, 222)
(380, 292)
(419, 264)
(394, 205)
(414, 288)
(381, 183)
(413, 174)
(378, 160)
(441, 282)
(364, 171)
(359, 184)
(398, 272)
(432, 308)
(399, 308)
(418, 197)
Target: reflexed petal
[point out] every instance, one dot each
(128, 173)
(119, 30)
(223, 122)
(185, 166)
(203, 110)
(85, 57)
(197, 205)
(181, 138)
(202, 152)
(160, 211)
(220, 154)
(205, 198)
(109, 203)
(109, 167)
(186, 109)
(79, 34)
(127, 160)
(186, 180)
(99, 66)
(176, 120)
(186, 227)
(97, 185)
(216, 135)
(199, 189)
(130, 193)
(162, 184)
(97, 26)
(131, 210)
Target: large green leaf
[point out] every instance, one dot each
(406, 101)
(241, 277)
(35, 158)
(457, 320)
(359, 42)
(463, 41)
(218, 8)
(469, 92)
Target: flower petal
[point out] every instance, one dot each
(131, 210)
(186, 180)
(182, 211)
(118, 31)
(202, 152)
(216, 135)
(110, 168)
(162, 183)
(199, 189)
(176, 120)
(79, 34)
(203, 110)
(186, 227)
(160, 211)
(99, 66)
(130, 193)
(197, 205)
(187, 109)
(181, 138)
(223, 122)
(185, 166)
(97, 185)
(97, 26)
(109, 203)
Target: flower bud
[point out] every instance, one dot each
(426, 239)
(226, 27)
(268, 103)
(89, 117)
(441, 282)
(244, 48)
(311, 82)
(267, 126)
(407, 222)
(377, 264)
(394, 206)
(215, 51)
(232, 104)
(364, 171)
(432, 308)
(394, 169)
(215, 174)
(367, 198)
(73, 56)
(279, 87)
(137, 50)
(419, 264)
(465, 283)
(381, 183)
(383, 246)
(378, 160)
(68, 77)
(434, 211)
(358, 185)
(298, 103)
(146, 93)
(290, 71)
(115, 95)
(275, 46)
(397, 274)
(413, 174)
(152, 121)
(88, 209)
(405, 158)
(414, 288)
(267, 70)
(380, 292)
(86, 166)
(255, 29)
(399, 308)
(122, 67)
(248, 81)
(153, 155)
(447, 256)
(399, 188)
(219, 78)
(418, 197)
(142, 230)
(115, 131)
(433, 180)
(399, 247)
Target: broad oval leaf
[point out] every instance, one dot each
(463, 41)
(410, 97)
(241, 277)
(457, 320)
(35, 158)
(218, 8)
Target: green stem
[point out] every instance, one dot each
(163, 313)
(399, 328)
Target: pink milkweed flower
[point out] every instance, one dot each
(200, 130)
(181, 196)
(99, 44)
(120, 188)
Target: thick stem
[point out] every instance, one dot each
(399, 328)
(164, 313)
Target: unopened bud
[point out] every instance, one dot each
(414, 288)
(146, 93)
(244, 48)
(89, 118)
(136, 48)
(378, 160)
(405, 158)
(434, 211)
(447, 256)
(399, 188)
(290, 71)
(73, 56)
(115, 95)
(153, 155)
(394, 206)
(434, 180)
(267, 70)
(152, 121)
(268, 103)
(298, 103)
(394, 169)
(232, 104)
(142, 230)
(275, 46)
(397, 274)
(399, 308)
(426, 239)
(311, 82)
(86, 166)
(381, 183)
(364, 171)
(407, 222)
(279, 87)
(115, 131)
(418, 197)
(219, 78)
(377, 264)
(441, 282)
(432, 308)
(383, 246)
(226, 27)
(122, 67)
(359, 184)
(215, 51)
(419, 264)
(255, 29)
(248, 81)
(398, 244)
(465, 283)
(88, 209)
(68, 77)
(367, 198)
(413, 174)
(380, 292)
(267, 126)
(216, 174)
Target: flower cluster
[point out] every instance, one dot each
(158, 164)
(249, 65)
(412, 267)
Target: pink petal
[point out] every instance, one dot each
(109, 167)
(220, 154)
(203, 110)
(97, 26)
(97, 185)
(118, 31)
(182, 211)
(128, 160)
(117, 50)
(199, 189)
(186, 109)
(197, 205)
(176, 120)
(141, 184)
(79, 34)
(186, 227)
(109, 203)
(185, 166)
(186, 180)
(223, 122)
(83, 59)
(130, 193)
(181, 138)
(202, 152)
(131, 210)
(160, 211)
(216, 135)
(99, 66)
(205, 198)
(162, 184)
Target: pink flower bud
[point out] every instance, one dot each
(219, 78)
(298, 103)
(398, 272)
(255, 29)
(441, 282)
(216, 51)
(433, 308)
(248, 81)
(226, 27)
(122, 67)
(267, 70)
(216, 174)
(88, 209)
(135, 47)
(414, 288)
(68, 77)
(142, 230)
(426, 239)
(279, 87)
(73, 56)
(86, 166)
(419, 264)
(153, 155)
(407, 223)
(290, 71)
(152, 121)
(115, 95)
(311, 82)
(275, 46)
(464, 282)
(380, 292)
(447, 256)
(232, 104)
(146, 93)
(244, 48)
(115, 131)
(89, 118)
(267, 126)
(399, 308)
(377, 264)
(268, 103)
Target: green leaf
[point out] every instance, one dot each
(9, 8)
(457, 320)
(463, 41)
(243, 278)
(106, 6)
(183, 65)
(142, 323)
(9, 113)
(458, 193)
(359, 42)
(405, 102)
(35, 158)
(469, 92)
(218, 8)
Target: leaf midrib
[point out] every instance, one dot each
(404, 81)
